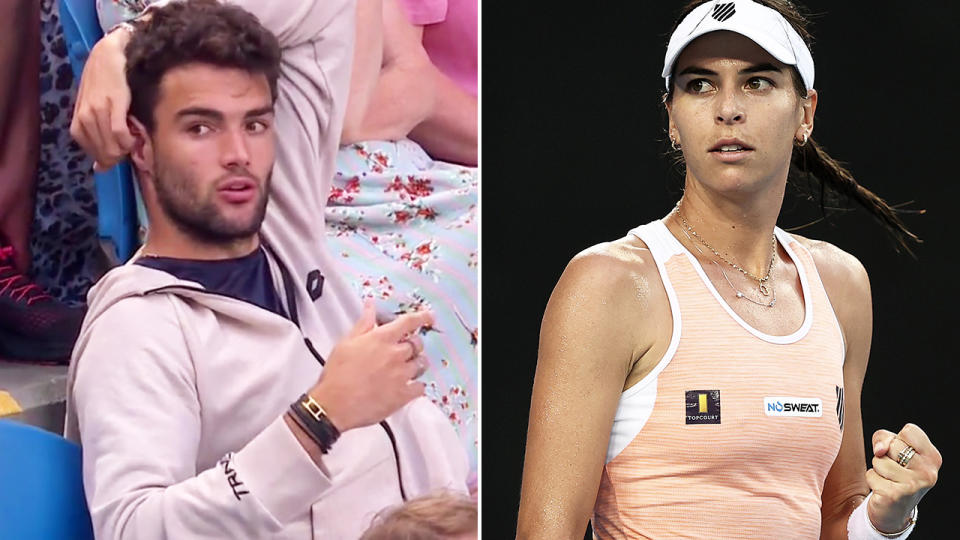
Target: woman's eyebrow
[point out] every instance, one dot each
(756, 68)
(696, 70)
(766, 66)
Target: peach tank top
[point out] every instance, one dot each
(733, 432)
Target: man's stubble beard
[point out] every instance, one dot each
(202, 220)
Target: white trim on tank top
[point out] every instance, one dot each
(636, 403)
(785, 241)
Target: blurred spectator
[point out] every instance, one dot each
(441, 517)
(416, 76)
(403, 222)
(34, 326)
(19, 125)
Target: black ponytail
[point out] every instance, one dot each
(812, 165)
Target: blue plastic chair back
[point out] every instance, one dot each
(117, 207)
(41, 486)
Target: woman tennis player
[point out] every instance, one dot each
(701, 377)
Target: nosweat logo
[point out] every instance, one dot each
(722, 12)
(793, 406)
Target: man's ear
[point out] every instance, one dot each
(142, 153)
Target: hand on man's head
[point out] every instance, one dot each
(99, 123)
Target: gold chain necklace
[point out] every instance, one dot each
(761, 281)
(740, 294)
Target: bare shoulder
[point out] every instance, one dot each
(848, 288)
(611, 296)
(842, 273)
(588, 340)
(610, 264)
(617, 273)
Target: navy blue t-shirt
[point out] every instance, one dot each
(246, 278)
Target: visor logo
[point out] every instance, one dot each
(722, 12)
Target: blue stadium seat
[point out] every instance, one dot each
(115, 188)
(41, 486)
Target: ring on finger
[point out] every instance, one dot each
(905, 455)
(414, 350)
(421, 367)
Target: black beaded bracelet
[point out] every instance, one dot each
(311, 416)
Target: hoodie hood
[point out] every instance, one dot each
(133, 280)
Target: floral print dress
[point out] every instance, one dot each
(405, 227)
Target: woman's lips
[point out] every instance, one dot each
(731, 156)
(730, 150)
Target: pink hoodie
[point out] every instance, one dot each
(177, 394)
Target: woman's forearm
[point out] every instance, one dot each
(15, 18)
(450, 131)
(402, 99)
(367, 60)
(416, 100)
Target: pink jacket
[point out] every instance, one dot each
(177, 394)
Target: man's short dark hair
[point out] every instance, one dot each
(195, 31)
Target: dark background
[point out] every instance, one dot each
(573, 155)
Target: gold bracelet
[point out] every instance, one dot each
(910, 522)
(313, 419)
(312, 407)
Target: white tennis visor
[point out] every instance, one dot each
(763, 25)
